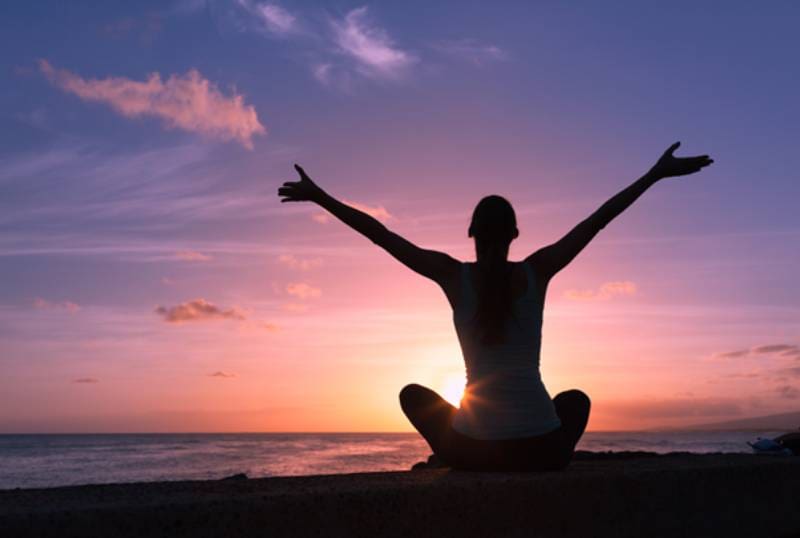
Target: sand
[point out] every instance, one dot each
(616, 495)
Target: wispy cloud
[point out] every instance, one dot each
(197, 310)
(605, 292)
(322, 72)
(301, 290)
(370, 46)
(86, 380)
(192, 256)
(272, 17)
(472, 51)
(189, 102)
(68, 306)
(146, 28)
(221, 374)
(733, 354)
(322, 218)
(788, 392)
(781, 350)
(295, 308)
(302, 264)
(674, 408)
(774, 348)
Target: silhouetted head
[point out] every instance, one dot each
(493, 226)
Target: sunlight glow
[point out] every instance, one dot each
(453, 388)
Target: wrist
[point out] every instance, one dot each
(652, 176)
(321, 198)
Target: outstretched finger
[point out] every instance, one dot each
(300, 171)
(672, 148)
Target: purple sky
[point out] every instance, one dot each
(151, 281)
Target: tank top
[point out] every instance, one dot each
(505, 397)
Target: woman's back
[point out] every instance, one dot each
(505, 397)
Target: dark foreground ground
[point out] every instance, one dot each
(598, 495)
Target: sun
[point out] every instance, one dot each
(453, 388)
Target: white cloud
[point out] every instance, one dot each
(189, 102)
(273, 17)
(370, 46)
(472, 51)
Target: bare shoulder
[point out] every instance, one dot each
(540, 263)
(451, 281)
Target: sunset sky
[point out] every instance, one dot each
(150, 280)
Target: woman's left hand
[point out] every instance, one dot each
(304, 190)
(670, 166)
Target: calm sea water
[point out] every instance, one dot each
(33, 461)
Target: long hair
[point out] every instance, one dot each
(494, 226)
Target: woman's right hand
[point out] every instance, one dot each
(304, 190)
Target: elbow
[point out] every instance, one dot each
(378, 233)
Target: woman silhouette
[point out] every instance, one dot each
(506, 419)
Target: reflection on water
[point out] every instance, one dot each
(55, 460)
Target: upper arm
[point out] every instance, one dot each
(435, 265)
(551, 259)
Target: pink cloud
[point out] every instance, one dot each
(86, 380)
(378, 212)
(192, 256)
(606, 291)
(189, 102)
(42, 304)
(301, 264)
(322, 218)
(197, 310)
(221, 374)
(302, 290)
(295, 308)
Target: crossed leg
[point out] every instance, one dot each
(430, 414)
(572, 407)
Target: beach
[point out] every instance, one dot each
(599, 494)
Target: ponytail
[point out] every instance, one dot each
(494, 226)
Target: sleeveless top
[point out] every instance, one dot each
(505, 397)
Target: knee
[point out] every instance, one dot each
(575, 397)
(409, 394)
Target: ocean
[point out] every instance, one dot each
(37, 461)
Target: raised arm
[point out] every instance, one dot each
(429, 263)
(551, 259)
